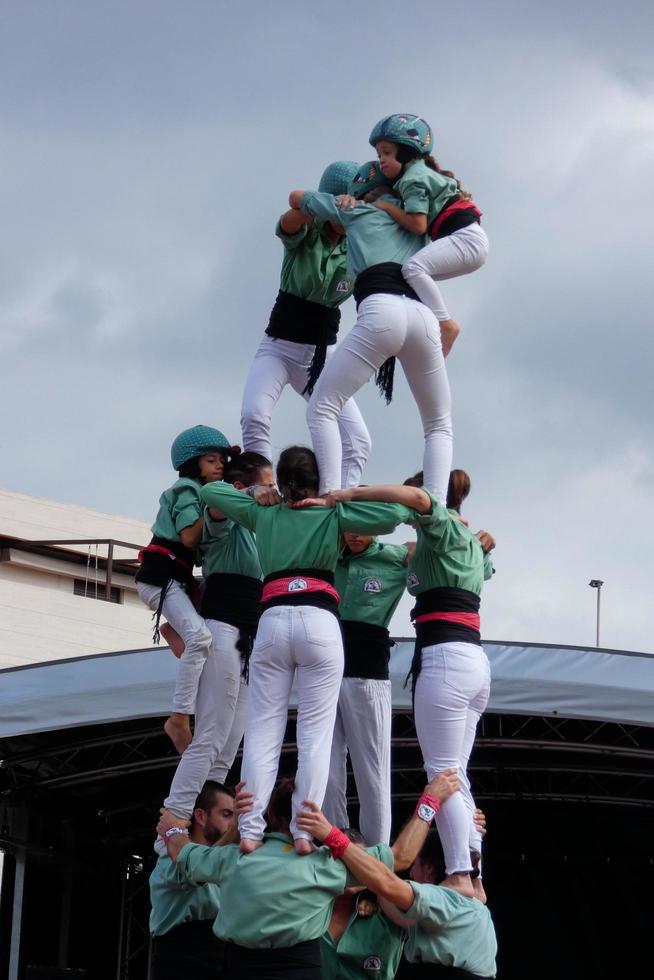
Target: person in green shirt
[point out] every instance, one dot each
(451, 673)
(183, 913)
(431, 200)
(445, 928)
(276, 904)
(370, 579)
(391, 322)
(165, 579)
(303, 326)
(299, 635)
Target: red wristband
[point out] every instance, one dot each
(426, 808)
(337, 842)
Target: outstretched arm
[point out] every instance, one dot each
(414, 833)
(387, 493)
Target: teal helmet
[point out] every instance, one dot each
(404, 128)
(337, 176)
(197, 441)
(367, 177)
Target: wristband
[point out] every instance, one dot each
(337, 842)
(175, 830)
(426, 808)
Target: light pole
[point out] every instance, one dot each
(597, 583)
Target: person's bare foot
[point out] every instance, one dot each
(178, 730)
(460, 883)
(248, 845)
(479, 890)
(303, 846)
(173, 639)
(450, 330)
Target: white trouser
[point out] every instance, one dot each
(184, 618)
(219, 721)
(455, 255)
(363, 725)
(386, 325)
(290, 639)
(278, 363)
(451, 695)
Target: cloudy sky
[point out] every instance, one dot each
(147, 150)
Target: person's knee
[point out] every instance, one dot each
(412, 270)
(198, 636)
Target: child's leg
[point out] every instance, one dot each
(271, 675)
(422, 361)
(264, 385)
(318, 651)
(225, 758)
(214, 710)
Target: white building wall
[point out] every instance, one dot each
(40, 617)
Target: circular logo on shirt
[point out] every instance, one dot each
(297, 585)
(412, 580)
(372, 963)
(372, 585)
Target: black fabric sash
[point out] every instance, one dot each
(157, 569)
(434, 971)
(367, 650)
(300, 962)
(233, 599)
(321, 600)
(303, 321)
(190, 951)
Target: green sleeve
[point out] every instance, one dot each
(436, 523)
(199, 863)
(214, 530)
(372, 517)
(489, 571)
(415, 195)
(320, 205)
(381, 852)
(186, 507)
(291, 241)
(432, 906)
(231, 502)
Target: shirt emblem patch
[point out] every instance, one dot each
(412, 580)
(297, 585)
(372, 585)
(372, 963)
(343, 286)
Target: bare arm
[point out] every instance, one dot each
(414, 833)
(191, 535)
(390, 493)
(417, 223)
(293, 221)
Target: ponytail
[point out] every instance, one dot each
(297, 473)
(458, 489)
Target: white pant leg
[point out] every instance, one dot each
(453, 677)
(476, 709)
(225, 758)
(272, 669)
(365, 707)
(266, 380)
(183, 617)
(446, 258)
(423, 363)
(318, 652)
(335, 804)
(214, 714)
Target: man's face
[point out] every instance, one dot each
(217, 819)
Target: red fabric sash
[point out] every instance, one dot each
(461, 205)
(462, 618)
(282, 587)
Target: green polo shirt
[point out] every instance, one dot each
(228, 548)
(447, 554)
(369, 949)
(304, 538)
(313, 268)
(424, 191)
(371, 584)
(175, 900)
(372, 235)
(179, 507)
(451, 930)
(272, 897)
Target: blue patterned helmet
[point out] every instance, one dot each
(403, 128)
(366, 178)
(198, 441)
(337, 176)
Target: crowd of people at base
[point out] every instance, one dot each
(297, 588)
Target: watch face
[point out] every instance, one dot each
(426, 813)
